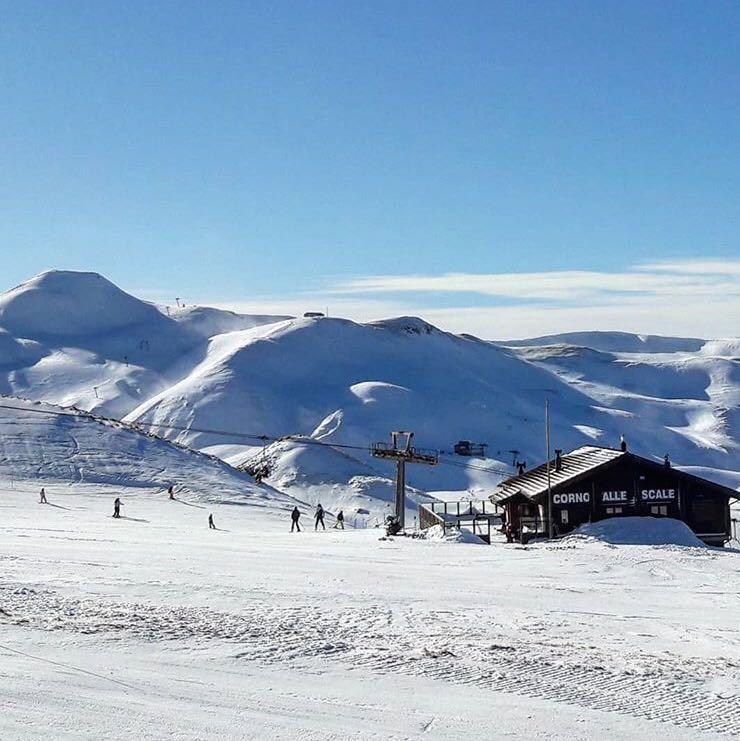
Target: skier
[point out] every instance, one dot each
(43, 496)
(171, 491)
(211, 524)
(509, 533)
(340, 520)
(294, 516)
(319, 517)
(117, 507)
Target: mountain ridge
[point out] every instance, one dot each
(351, 383)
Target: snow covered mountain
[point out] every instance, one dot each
(75, 339)
(191, 374)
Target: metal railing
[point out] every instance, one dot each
(533, 525)
(476, 515)
(417, 455)
(466, 508)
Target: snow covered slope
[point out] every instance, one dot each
(346, 383)
(76, 339)
(43, 443)
(317, 473)
(617, 342)
(208, 322)
(687, 404)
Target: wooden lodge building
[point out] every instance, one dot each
(593, 483)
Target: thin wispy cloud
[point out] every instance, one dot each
(699, 298)
(702, 278)
(705, 267)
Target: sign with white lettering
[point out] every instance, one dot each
(577, 497)
(617, 496)
(662, 495)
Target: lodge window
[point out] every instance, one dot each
(708, 514)
(525, 510)
(661, 510)
(564, 516)
(614, 510)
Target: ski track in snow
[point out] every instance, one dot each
(609, 641)
(449, 645)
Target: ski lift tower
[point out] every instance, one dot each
(401, 451)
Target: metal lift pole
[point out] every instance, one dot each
(401, 492)
(403, 453)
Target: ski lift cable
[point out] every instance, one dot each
(262, 438)
(176, 428)
(474, 467)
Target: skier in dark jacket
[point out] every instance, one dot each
(117, 507)
(43, 496)
(340, 520)
(319, 517)
(294, 516)
(171, 492)
(509, 531)
(211, 524)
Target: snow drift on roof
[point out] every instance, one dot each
(574, 464)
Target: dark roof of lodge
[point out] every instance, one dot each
(575, 465)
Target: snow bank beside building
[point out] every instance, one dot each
(639, 531)
(438, 534)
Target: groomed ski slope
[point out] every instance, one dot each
(45, 445)
(155, 627)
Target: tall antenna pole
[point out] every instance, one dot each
(549, 487)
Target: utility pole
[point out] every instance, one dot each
(549, 486)
(402, 452)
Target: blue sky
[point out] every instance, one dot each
(298, 154)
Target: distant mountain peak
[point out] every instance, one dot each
(608, 341)
(408, 324)
(70, 303)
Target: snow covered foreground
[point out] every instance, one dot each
(155, 627)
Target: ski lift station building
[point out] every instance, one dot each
(592, 483)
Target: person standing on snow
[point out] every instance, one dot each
(319, 517)
(340, 520)
(117, 507)
(42, 500)
(509, 531)
(171, 491)
(295, 516)
(211, 525)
